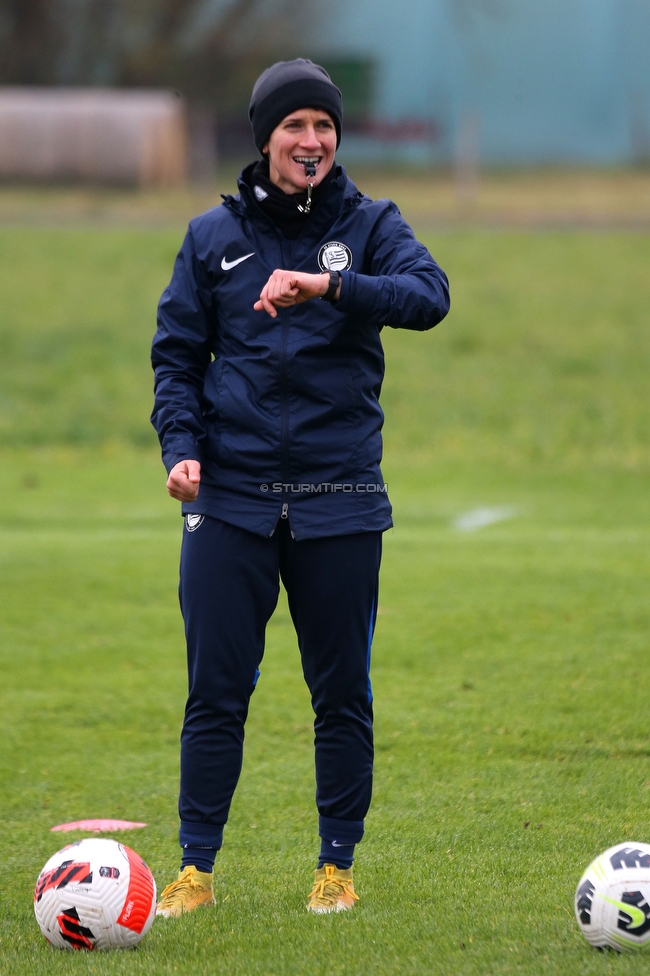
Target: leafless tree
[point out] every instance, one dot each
(210, 50)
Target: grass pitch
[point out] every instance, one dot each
(509, 664)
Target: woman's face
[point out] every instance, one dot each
(305, 135)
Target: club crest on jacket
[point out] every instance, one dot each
(334, 256)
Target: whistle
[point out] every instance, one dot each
(310, 173)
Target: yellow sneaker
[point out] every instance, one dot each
(191, 889)
(333, 890)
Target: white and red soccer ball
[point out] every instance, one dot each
(95, 894)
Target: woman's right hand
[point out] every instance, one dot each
(285, 288)
(184, 479)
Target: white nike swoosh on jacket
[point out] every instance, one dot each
(227, 265)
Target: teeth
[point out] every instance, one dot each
(306, 159)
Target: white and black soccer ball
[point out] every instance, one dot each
(612, 902)
(95, 894)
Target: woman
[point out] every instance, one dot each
(267, 387)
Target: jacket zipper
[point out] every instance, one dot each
(284, 398)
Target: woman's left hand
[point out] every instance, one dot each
(286, 288)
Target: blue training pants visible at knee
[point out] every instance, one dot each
(228, 590)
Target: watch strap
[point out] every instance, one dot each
(332, 288)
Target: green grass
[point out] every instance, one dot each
(509, 664)
(544, 359)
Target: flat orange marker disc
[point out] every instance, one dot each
(99, 826)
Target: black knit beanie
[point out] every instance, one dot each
(286, 87)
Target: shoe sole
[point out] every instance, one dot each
(328, 911)
(172, 913)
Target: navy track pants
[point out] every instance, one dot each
(229, 586)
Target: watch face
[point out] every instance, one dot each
(334, 256)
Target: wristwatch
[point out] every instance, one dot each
(332, 288)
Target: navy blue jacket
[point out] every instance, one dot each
(285, 412)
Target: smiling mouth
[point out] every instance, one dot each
(308, 161)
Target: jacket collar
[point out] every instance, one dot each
(342, 195)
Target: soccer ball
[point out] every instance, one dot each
(95, 894)
(612, 902)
